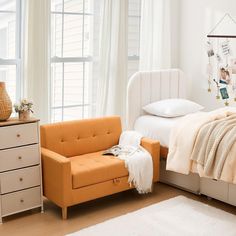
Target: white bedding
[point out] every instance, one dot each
(156, 127)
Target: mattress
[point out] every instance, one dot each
(155, 127)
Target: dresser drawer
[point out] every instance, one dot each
(16, 158)
(19, 179)
(20, 201)
(18, 135)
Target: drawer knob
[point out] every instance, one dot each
(21, 179)
(19, 157)
(22, 200)
(18, 135)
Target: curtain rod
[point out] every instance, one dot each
(222, 36)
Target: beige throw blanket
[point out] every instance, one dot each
(213, 143)
(205, 143)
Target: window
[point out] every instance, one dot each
(10, 46)
(71, 63)
(134, 15)
(74, 52)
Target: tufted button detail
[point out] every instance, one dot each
(62, 140)
(108, 132)
(78, 137)
(94, 135)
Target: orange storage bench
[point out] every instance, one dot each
(74, 169)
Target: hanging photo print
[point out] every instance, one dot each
(224, 93)
(225, 77)
(210, 51)
(225, 48)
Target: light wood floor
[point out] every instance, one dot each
(33, 223)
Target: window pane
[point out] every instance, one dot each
(73, 6)
(88, 44)
(56, 35)
(9, 42)
(56, 115)
(8, 75)
(57, 80)
(7, 35)
(76, 6)
(88, 111)
(134, 7)
(133, 36)
(73, 32)
(56, 5)
(73, 84)
(88, 85)
(73, 113)
(8, 5)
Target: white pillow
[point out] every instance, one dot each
(173, 107)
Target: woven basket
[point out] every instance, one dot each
(5, 103)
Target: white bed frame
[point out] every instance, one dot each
(147, 87)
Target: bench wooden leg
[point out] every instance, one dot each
(64, 213)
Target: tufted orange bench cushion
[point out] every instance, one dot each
(74, 138)
(94, 168)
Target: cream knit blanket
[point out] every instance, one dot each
(205, 143)
(213, 144)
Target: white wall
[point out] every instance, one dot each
(197, 18)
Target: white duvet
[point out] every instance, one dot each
(182, 140)
(155, 127)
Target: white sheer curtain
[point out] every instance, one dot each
(36, 56)
(112, 80)
(155, 36)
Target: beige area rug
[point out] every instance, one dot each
(176, 216)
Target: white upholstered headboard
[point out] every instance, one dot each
(147, 87)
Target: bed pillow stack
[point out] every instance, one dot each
(173, 107)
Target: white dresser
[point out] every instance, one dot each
(20, 167)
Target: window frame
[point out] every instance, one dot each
(17, 61)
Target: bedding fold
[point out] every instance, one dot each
(202, 142)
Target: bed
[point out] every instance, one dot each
(147, 87)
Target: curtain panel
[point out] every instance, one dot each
(112, 82)
(155, 35)
(37, 56)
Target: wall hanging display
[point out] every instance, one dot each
(221, 52)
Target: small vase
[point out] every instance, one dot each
(5, 103)
(24, 115)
